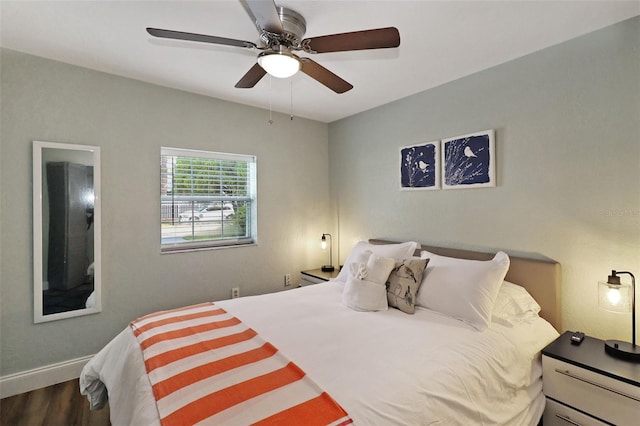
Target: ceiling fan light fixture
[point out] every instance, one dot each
(281, 64)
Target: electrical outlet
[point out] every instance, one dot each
(287, 280)
(235, 292)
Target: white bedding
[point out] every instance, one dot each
(383, 368)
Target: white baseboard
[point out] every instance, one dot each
(37, 378)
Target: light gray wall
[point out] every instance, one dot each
(567, 122)
(130, 121)
(568, 150)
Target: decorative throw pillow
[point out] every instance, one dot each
(463, 289)
(365, 287)
(403, 284)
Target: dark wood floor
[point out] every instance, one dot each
(55, 405)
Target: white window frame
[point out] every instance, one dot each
(171, 245)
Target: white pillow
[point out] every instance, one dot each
(463, 289)
(514, 305)
(365, 288)
(395, 251)
(515, 300)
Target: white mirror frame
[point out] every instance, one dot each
(38, 314)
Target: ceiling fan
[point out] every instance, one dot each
(281, 31)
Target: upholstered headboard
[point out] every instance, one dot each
(541, 278)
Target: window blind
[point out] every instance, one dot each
(208, 199)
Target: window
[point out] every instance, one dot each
(208, 199)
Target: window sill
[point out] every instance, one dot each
(192, 249)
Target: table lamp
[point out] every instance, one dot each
(323, 244)
(615, 296)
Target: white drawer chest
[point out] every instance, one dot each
(584, 385)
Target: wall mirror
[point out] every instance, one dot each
(66, 230)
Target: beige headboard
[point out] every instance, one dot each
(541, 278)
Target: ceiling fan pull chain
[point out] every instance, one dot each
(291, 99)
(270, 122)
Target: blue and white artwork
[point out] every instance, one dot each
(468, 161)
(419, 166)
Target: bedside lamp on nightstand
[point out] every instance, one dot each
(614, 296)
(323, 244)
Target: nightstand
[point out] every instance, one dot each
(315, 276)
(586, 386)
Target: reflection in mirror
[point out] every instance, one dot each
(66, 230)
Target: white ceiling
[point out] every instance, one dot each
(440, 41)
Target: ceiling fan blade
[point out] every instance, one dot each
(265, 15)
(179, 35)
(324, 76)
(379, 38)
(251, 78)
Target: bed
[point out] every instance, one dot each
(381, 366)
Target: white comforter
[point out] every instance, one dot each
(384, 368)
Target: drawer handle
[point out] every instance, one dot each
(573, 376)
(568, 420)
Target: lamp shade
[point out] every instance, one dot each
(281, 64)
(614, 297)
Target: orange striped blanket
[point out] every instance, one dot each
(206, 366)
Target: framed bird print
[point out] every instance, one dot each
(468, 161)
(420, 166)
